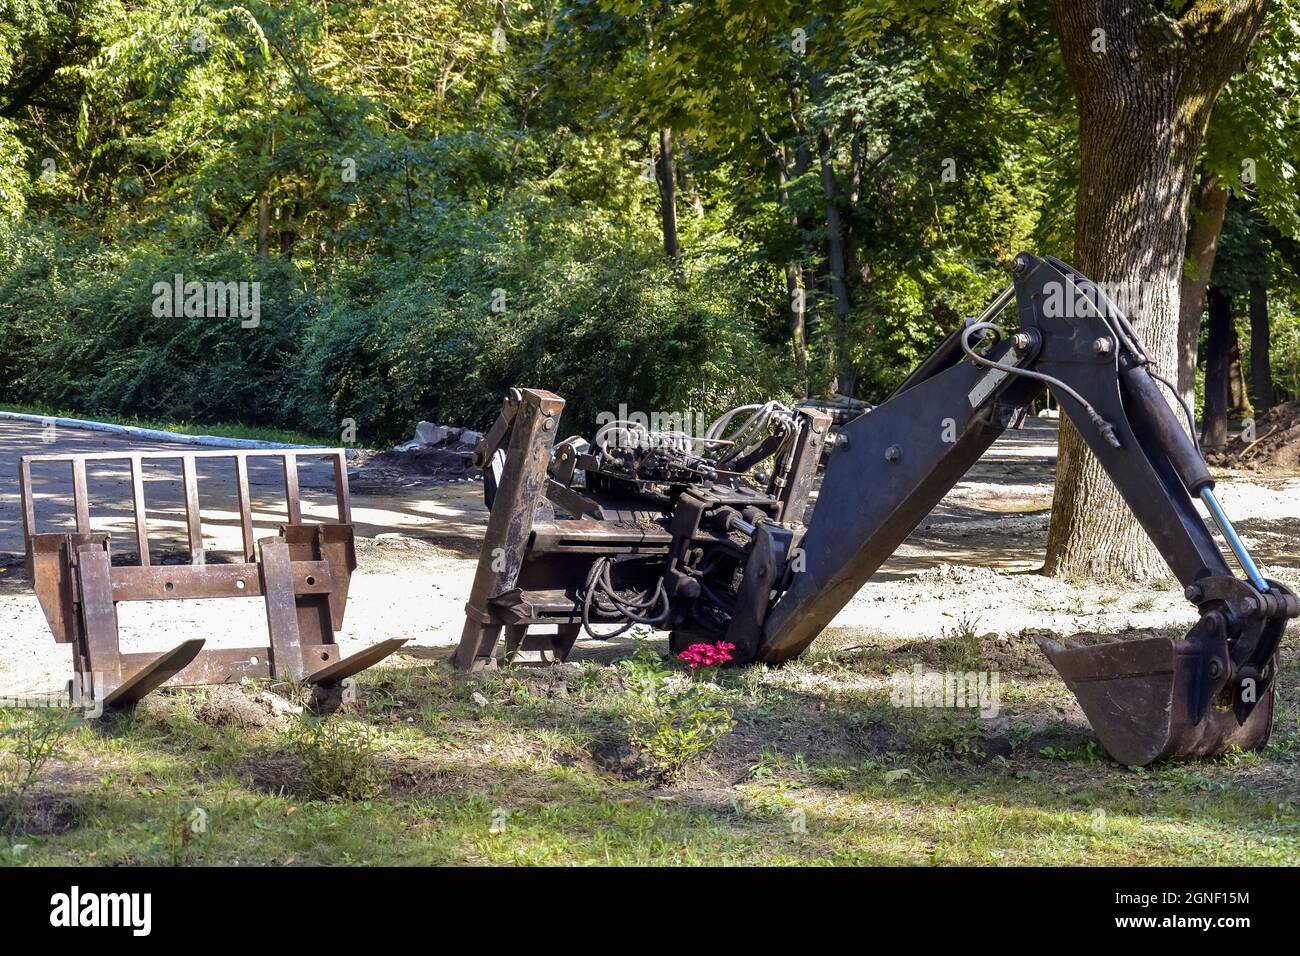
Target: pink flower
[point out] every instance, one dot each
(707, 655)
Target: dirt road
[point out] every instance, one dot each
(970, 562)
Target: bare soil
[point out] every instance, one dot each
(1274, 448)
(383, 471)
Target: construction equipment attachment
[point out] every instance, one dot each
(707, 536)
(302, 574)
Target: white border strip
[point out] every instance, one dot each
(149, 434)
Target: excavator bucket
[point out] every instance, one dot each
(1150, 698)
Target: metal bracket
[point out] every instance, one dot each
(532, 416)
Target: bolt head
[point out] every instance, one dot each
(1020, 264)
(1102, 346)
(1021, 341)
(893, 453)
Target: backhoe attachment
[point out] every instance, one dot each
(706, 536)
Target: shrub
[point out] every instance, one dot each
(339, 757)
(28, 745)
(671, 718)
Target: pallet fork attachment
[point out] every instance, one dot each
(302, 574)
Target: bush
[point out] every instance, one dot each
(532, 293)
(339, 758)
(671, 718)
(80, 333)
(26, 746)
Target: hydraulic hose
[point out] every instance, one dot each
(1107, 430)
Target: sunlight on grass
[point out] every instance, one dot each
(515, 768)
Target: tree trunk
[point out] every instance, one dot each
(1143, 102)
(794, 100)
(797, 160)
(290, 212)
(667, 177)
(855, 174)
(1218, 343)
(1209, 204)
(844, 377)
(264, 202)
(263, 225)
(797, 299)
(798, 296)
(1261, 373)
(1238, 399)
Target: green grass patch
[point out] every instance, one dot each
(531, 766)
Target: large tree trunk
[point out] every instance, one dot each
(1261, 373)
(667, 176)
(1144, 101)
(1209, 204)
(1218, 344)
(844, 376)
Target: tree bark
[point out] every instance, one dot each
(667, 177)
(798, 296)
(844, 376)
(797, 299)
(1218, 343)
(855, 173)
(1239, 406)
(1144, 101)
(1209, 204)
(1261, 372)
(264, 202)
(263, 225)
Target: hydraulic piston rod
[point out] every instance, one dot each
(1234, 542)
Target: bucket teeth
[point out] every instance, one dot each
(1147, 699)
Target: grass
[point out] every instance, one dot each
(819, 769)
(222, 429)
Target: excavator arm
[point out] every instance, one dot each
(1146, 698)
(704, 535)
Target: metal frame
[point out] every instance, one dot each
(302, 574)
(532, 561)
(532, 417)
